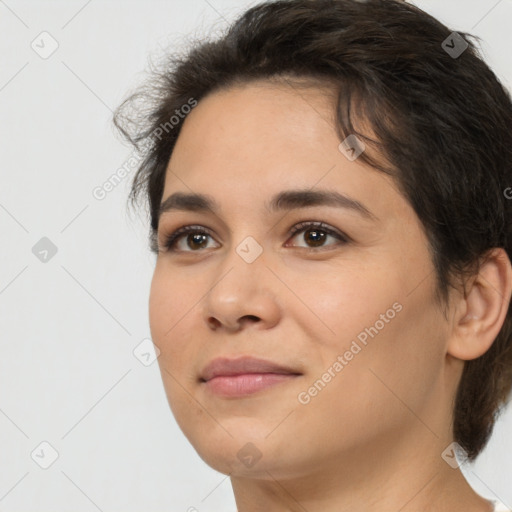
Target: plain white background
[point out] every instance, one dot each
(68, 374)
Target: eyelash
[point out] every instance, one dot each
(171, 240)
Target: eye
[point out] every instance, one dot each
(196, 237)
(316, 233)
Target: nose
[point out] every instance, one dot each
(243, 295)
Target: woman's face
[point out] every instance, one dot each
(350, 311)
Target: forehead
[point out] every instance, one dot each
(246, 143)
(263, 121)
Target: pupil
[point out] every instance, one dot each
(196, 239)
(316, 233)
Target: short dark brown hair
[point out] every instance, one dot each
(442, 121)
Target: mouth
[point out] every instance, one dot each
(244, 376)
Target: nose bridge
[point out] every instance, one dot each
(246, 246)
(242, 270)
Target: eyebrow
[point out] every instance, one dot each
(286, 200)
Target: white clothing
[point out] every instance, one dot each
(500, 507)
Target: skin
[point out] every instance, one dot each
(372, 438)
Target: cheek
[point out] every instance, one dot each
(171, 299)
(170, 328)
(168, 308)
(175, 324)
(394, 373)
(390, 337)
(400, 365)
(160, 309)
(339, 302)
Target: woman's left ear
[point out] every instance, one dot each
(481, 311)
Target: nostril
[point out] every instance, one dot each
(248, 319)
(251, 317)
(214, 323)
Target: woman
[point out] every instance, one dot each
(327, 189)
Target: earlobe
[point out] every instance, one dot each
(482, 310)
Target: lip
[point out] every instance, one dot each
(223, 366)
(244, 375)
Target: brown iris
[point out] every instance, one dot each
(318, 236)
(197, 238)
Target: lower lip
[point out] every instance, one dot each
(246, 384)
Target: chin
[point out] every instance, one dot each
(250, 452)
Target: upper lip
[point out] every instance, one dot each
(241, 365)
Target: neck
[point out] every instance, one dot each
(400, 474)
